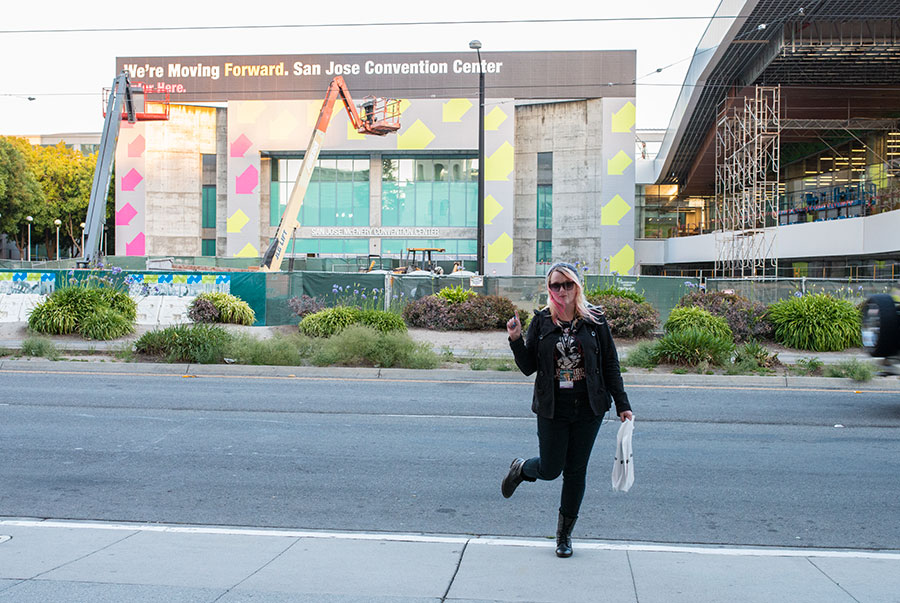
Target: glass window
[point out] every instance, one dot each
(544, 252)
(337, 194)
(208, 247)
(429, 191)
(545, 206)
(208, 207)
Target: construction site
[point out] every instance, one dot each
(782, 157)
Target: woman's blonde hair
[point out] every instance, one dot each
(582, 308)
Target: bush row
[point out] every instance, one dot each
(356, 345)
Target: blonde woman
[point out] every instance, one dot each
(570, 346)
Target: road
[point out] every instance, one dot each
(729, 464)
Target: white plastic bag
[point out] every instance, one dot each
(623, 466)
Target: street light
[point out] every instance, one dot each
(82, 239)
(57, 222)
(476, 46)
(30, 220)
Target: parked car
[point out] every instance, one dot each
(881, 330)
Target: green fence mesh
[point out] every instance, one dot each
(269, 294)
(770, 291)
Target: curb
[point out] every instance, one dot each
(885, 384)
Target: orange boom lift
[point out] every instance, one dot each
(379, 117)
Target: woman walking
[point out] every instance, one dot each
(570, 346)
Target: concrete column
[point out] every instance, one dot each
(375, 199)
(221, 178)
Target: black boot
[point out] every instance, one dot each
(513, 478)
(564, 535)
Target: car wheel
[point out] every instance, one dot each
(880, 326)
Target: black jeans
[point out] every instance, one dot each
(565, 444)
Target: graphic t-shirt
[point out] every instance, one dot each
(570, 379)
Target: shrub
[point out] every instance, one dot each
(687, 318)
(232, 310)
(39, 347)
(746, 319)
(429, 312)
(642, 355)
(105, 323)
(121, 302)
(280, 350)
(692, 347)
(456, 295)
(753, 351)
(809, 366)
(198, 343)
(628, 318)
(328, 322)
(593, 295)
(305, 305)
(68, 308)
(359, 345)
(478, 314)
(851, 369)
(818, 322)
(752, 358)
(380, 320)
(52, 318)
(203, 310)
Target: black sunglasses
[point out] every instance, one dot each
(568, 285)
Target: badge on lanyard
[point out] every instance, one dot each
(566, 378)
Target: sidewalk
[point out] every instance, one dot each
(73, 562)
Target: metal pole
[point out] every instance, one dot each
(476, 45)
(58, 223)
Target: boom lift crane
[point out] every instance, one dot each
(119, 94)
(379, 117)
(140, 103)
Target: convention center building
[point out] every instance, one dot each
(209, 167)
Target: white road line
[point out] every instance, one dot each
(473, 540)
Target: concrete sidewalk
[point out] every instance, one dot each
(72, 562)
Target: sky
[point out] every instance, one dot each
(66, 71)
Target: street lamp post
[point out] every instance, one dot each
(58, 222)
(82, 239)
(30, 220)
(476, 46)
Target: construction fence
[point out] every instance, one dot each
(269, 294)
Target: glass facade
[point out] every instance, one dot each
(664, 212)
(454, 248)
(337, 195)
(857, 178)
(328, 246)
(417, 191)
(429, 191)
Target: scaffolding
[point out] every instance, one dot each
(748, 154)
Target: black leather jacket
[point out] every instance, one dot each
(535, 352)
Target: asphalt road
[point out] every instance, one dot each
(730, 465)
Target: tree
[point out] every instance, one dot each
(20, 193)
(65, 177)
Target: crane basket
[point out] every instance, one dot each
(150, 104)
(379, 116)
